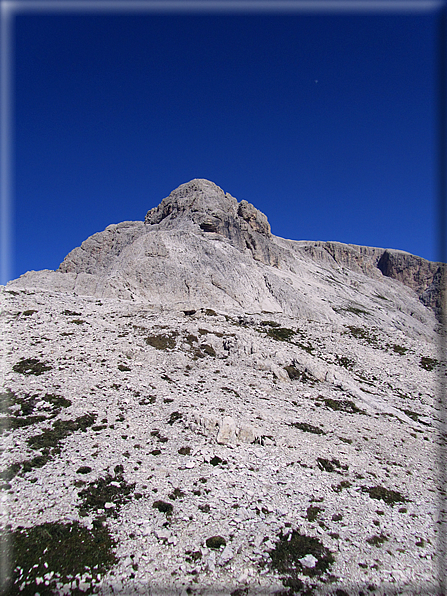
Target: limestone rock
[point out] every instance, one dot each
(201, 248)
(227, 431)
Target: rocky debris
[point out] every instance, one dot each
(188, 450)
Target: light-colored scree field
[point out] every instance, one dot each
(192, 405)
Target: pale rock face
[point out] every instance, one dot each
(202, 248)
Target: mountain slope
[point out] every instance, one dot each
(192, 405)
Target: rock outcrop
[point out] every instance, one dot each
(202, 248)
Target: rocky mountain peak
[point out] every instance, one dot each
(201, 203)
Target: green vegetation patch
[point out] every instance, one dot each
(270, 324)
(365, 334)
(51, 553)
(330, 465)
(177, 493)
(215, 542)
(110, 489)
(13, 422)
(308, 428)
(313, 512)
(280, 333)
(163, 507)
(385, 494)
(50, 439)
(377, 540)
(342, 405)
(31, 366)
(161, 341)
(28, 313)
(56, 400)
(428, 363)
(290, 548)
(399, 349)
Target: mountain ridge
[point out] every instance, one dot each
(199, 223)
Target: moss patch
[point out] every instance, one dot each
(285, 557)
(308, 428)
(215, 542)
(280, 333)
(342, 405)
(163, 507)
(57, 552)
(428, 363)
(384, 494)
(31, 366)
(110, 489)
(162, 342)
(50, 439)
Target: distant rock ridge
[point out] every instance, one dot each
(200, 247)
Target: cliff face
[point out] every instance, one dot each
(202, 248)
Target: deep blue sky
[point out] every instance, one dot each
(326, 123)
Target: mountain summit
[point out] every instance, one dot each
(201, 248)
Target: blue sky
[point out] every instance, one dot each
(325, 122)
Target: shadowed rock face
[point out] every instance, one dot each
(202, 248)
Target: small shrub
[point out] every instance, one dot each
(384, 494)
(31, 366)
(63, 551)
(28, 313)
(428, 363)
(377, 540)
(215, 542)
(281, 333)
(177, 493)
(163, 507)
(308, 428)
(285, 557)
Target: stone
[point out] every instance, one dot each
(227, 431)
